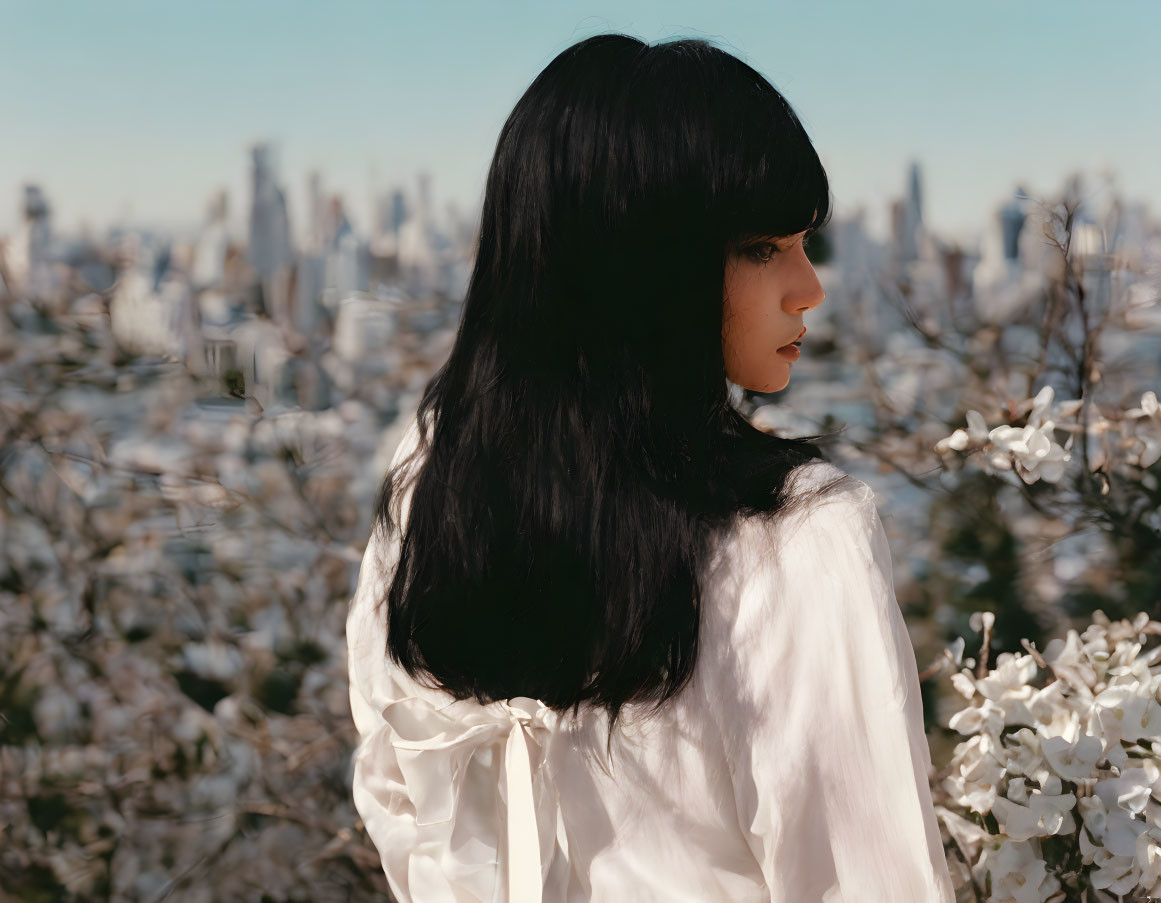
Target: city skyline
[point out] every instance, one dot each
(371, 95)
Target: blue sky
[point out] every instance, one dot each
(139, 110)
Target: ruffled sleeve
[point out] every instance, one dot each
(454, 795)
(371, 688)
(821, 715)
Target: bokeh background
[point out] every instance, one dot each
(234, 240)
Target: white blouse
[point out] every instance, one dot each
(792, 769)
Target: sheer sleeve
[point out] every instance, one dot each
(377, 782)
(453, 794)
(820, 711)
(370, 687)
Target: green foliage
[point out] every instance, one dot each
(234, 383)
(977, 565)
(204, 691)
(278, 690)
(32, 884)
(306, 652)
(17, 725)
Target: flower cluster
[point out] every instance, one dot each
(1032, 451)
(1147, 423)
(1070, 771)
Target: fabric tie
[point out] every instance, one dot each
(524, 881)
(434, 748)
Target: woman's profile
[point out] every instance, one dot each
(610, 641)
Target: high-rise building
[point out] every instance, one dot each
(910, 221)
(28, 254)
(209, 263)
(1012, 217)
(270, 251)
(391, 213)
(270, 247)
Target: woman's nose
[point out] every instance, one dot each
(806, 295)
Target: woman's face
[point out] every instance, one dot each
(769, 285)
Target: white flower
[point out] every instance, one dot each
(1148, 858)
(1037, 814)
(964, 683)
(1095, 817)
(1126, 714)
(1073, 761)
(1148, 429)
(1129, 791)
(980, 620)
(1056, 711)
(1114, 873)
(213, 659)
(1070, 663)
(967, 834)
(955, 651)
(1043, 410)
(976, 774)
(1007, 686)
(1032, 449)
(975, 436)
(1018, 874)
(1025, 756)
(1011, 675)
(987, 718)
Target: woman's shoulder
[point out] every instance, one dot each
(822, 498)
(769, 571)
(817, 490)
(828, 482)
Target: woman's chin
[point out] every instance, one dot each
(769, 388)
(775, 383)
(780, 383)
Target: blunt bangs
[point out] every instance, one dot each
(769, 180)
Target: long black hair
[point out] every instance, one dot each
(583, 450)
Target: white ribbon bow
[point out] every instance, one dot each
(434, 748)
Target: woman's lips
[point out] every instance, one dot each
(791, 352)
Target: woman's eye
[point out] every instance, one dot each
(762, 252)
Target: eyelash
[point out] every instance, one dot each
(774, 250)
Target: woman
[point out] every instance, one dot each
(610, 641)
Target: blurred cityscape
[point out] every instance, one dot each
(194, 432)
